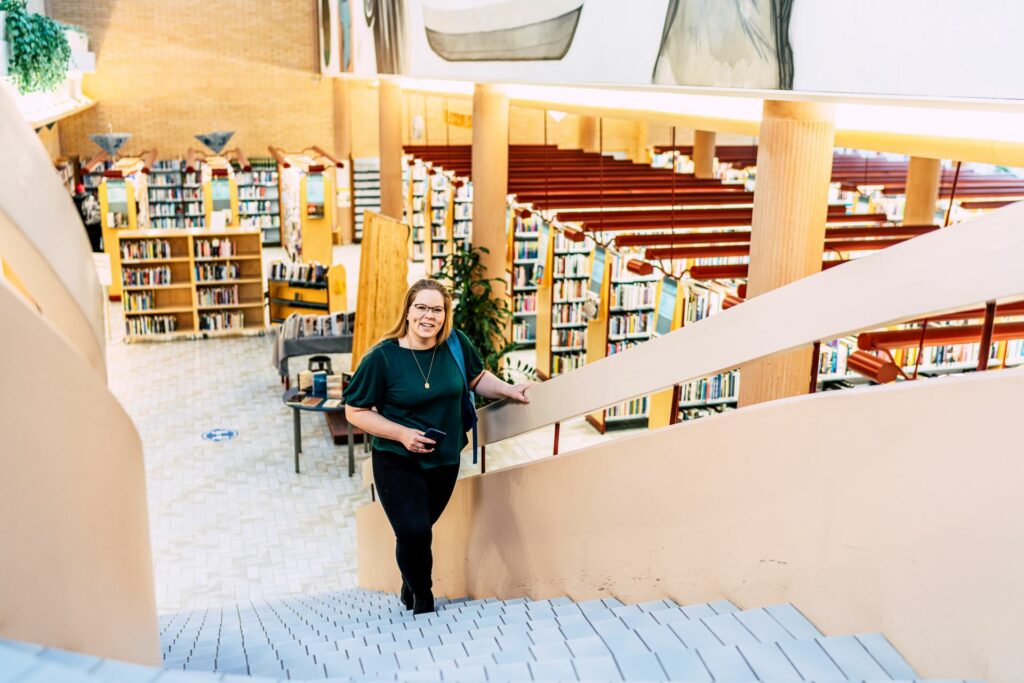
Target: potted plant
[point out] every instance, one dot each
(38, 48)
(483, 317)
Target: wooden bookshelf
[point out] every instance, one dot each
(417, 196)
(259, 198)
(327, 295)
(166, 203)
(308, 202)
(438, 238)
(560, 301)
(365, 190)
(174, 286)
(525, 234)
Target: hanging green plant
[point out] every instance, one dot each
(39, 49)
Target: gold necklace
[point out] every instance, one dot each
(426, 377)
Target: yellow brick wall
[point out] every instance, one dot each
(168, 70)
(51, 141)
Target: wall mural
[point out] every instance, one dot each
(762, 44)
(507, 31)
(726, 44)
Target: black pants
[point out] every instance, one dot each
(413, 499)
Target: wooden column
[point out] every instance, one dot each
(922, 190)
(639, 153)
(588, 133)
(391, 149)
(490, 179)
(794, 165)
(704, 154)
(343, 150)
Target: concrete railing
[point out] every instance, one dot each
(881, 508)
(75, 560)
(964, 265)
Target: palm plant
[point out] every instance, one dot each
(483, 317)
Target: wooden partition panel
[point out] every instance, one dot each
(904, 527)
(383, 280)
(76, 567)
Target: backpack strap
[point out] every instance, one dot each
(455, 347)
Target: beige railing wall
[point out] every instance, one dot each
(889, 509)
(75, 560)
(964, 265)
(44, 241)
(886, 508)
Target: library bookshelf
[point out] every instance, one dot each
(625, 312)
(365, 190)
(526, 233)
(190, 283)
(259, 198)
(307, 293)
(564, 262)
(417, 182)
(307, 201)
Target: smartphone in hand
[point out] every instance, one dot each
(436, 435)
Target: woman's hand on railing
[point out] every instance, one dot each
(517, 392)
(489, 386)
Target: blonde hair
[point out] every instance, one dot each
(401, 327)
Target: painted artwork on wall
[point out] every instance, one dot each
(513, 30)
(386, 18)
(726, 44)
(760, 44)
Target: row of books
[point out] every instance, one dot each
(217, 296)
(571, 265)
(211, 272)
(137, 326)
(222, 320)
(264, 221)
(525, 303)
(523, 332)
(634, 295)
(296, 271)
(631, 324)
(214, 248)
(137, 250)
(297, 326)
(567, 314)
(257, 206)
(567, 339)
(635, 408)
(139, 301)
(137, 277)
(723, 387)
(563, 291)
(567, 362)
(257, 192)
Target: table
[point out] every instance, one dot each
(297, 409)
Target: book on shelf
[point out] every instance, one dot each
(297, 271)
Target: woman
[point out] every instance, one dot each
(412, 380)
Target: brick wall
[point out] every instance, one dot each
(166, 71)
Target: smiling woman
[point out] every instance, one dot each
(408, 393)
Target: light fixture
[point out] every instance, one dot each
(215, 140)
(639, 267)
(876, 369)
(111, 143)
(556, 115)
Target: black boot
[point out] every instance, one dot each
(422, 604)
(406, 595)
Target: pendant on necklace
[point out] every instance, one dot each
(426, 385)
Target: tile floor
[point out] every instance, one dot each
(230, 520)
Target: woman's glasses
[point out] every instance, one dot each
(421, 310)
